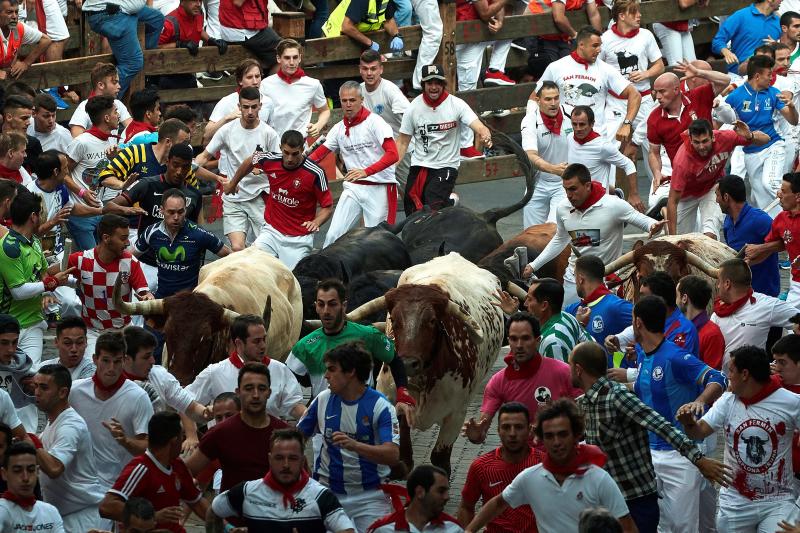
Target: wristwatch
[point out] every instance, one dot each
(627, 122)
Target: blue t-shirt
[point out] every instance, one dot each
(668, 378)
(756, 109)
(178, 260)
(746, 30)
(610, 314)
(752, 227)
(677, 329)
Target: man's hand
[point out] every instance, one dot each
(146, 296)
(90, 198)
(527, 272)
(311, 226)
(117, 432)
(133, 176)
(624, 133)
(343, 441)
(618, 374)
(507, 303)
(189, 445)
(658, 226)
(494, 25)
(19, 68)
(355, 175)
(612, 344)
(696, 408)
(230, 187)
(313, 129)
(687, 414)
(112, 151)
(583, 315)
(61, 216)
(61, 277)
(191, 46)
(786, 527)
(233, 115)
(688, 70)
(408, 411)
(729, 57)
(169, 515)
(742, 129)
(636, 76)
(636, 201)
(714, 471)
(397, 44)
(474, 431)
(558, 169)
(134, 210)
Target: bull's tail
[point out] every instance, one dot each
(398, 227)
(505, 144)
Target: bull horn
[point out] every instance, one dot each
(618, 263)
(228, 316)
(316, 324)
(516, 290)
(373, 306)
(146, 307)
(697, 261)
(454, 309)
(267, 315)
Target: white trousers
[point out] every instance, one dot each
(357, 201)
(676, 45)
(752, 516)
(790, 154)
(679, 504)
(469, 59)
(54, 21)
(542, 206)
(765, 171)
(737, 163)
(431, 22)
(83, 520)
(288, 249)
(570, 292)
(700, 214)
(364, 508)
(31, 341)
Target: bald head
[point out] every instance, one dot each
(668, 79)
(667, 89)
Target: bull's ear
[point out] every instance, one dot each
(638, 244)
(345, 273)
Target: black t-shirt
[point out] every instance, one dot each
(357, 10)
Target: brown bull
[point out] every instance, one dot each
(534, 238)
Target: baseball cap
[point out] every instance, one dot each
(432, 72)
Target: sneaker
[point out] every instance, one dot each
(60, 103)
(519, 45)
(619, 192)
(495, 113)
(785, 265)
(215, 76)
(498, 77)
(471, 153)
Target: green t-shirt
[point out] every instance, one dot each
(306, 356)
(21, 261)
(560, 335)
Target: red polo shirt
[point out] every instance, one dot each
(784, 228)
(693, 175)
(191, 28)
(666, 130)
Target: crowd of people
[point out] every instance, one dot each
(608, 411)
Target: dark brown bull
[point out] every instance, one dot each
(534, 238)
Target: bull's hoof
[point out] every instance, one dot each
(441, 458)
(401, 470)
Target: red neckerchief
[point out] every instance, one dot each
(601, 290)
(136, 127)
(628, 35)
(592, 136)
(722, 309)
(553, 124)
(435, 103)
(579, 60)
(100, 134)
(288, 492)
(10, 174)
(25, 502)
(585, 456)
(238, 363)
(113, 388)
(528, 369)
(772, 385)
(598, 191)
(289, 78)
(93, 93)
(360, 117)
(133, 377)
(398, 518)
(791, 388)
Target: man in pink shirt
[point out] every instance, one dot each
(529, 378)
(698, 166)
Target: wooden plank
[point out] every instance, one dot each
(498, 97)
(205, 94)
(392, 69)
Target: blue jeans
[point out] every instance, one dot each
(645, 513)
(121, 31)
(84, 231)
(403, 12)
(320, 18)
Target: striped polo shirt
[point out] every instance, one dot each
(560, 335)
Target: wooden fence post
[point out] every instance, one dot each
(447, 51)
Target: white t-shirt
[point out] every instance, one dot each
(168, 389)
(363, 146)
(130, 406)
(631, 54)
(388, 101)
(297, 100)
(599, 155)
(89, 153)
(436, 131)
(84, 369)
(81, 118)
(558, 506)
(8, 413)
(130, 7)
(237, 144)
(42, 517)
(758, 445)
(58, 139)
(550, 147)
(223, 377)
(751, 323)
(67, 439)
(585, 85)
(54, 201)
(229, 104)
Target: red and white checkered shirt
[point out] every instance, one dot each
(95, 287)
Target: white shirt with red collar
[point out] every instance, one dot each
(550, 145)
(42, 517)
(396, 521)
(598, 155)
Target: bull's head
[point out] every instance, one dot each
(196, 329)
(418, 316)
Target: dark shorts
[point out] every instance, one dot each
(644, 512)
(433, 192)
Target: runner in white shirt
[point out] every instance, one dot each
(105, 82)
(66, 457)
(433, 120)
(587, 147)
(248, 74)
(592, 221)
(299, 95)
(365, 143)
(19, 509)
(71, 342)
(51, 135)
(545, 130)
(249, 338)
(744, 316)
(243, 211)
(760, 419)
(116, 410)
(8, 416)
(583, 79)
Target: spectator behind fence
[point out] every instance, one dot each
(246, 22)
(50, 20)
(744, 30)
(105, 82)
(354, 17)
(15, 34)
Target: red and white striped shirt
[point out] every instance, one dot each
(95, 287)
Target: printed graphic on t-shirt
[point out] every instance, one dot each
(628, 63)
(5, 381)
(424, 129)
(585, 237)
(755, 445)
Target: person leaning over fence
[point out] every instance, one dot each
(105, 82)
(354, 17)
(246, 22)
(15, 34)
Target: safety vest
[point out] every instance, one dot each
(7, 55)
(372, 20)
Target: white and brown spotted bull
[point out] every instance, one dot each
(196, 324)
(678, 255)
(448, 333)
